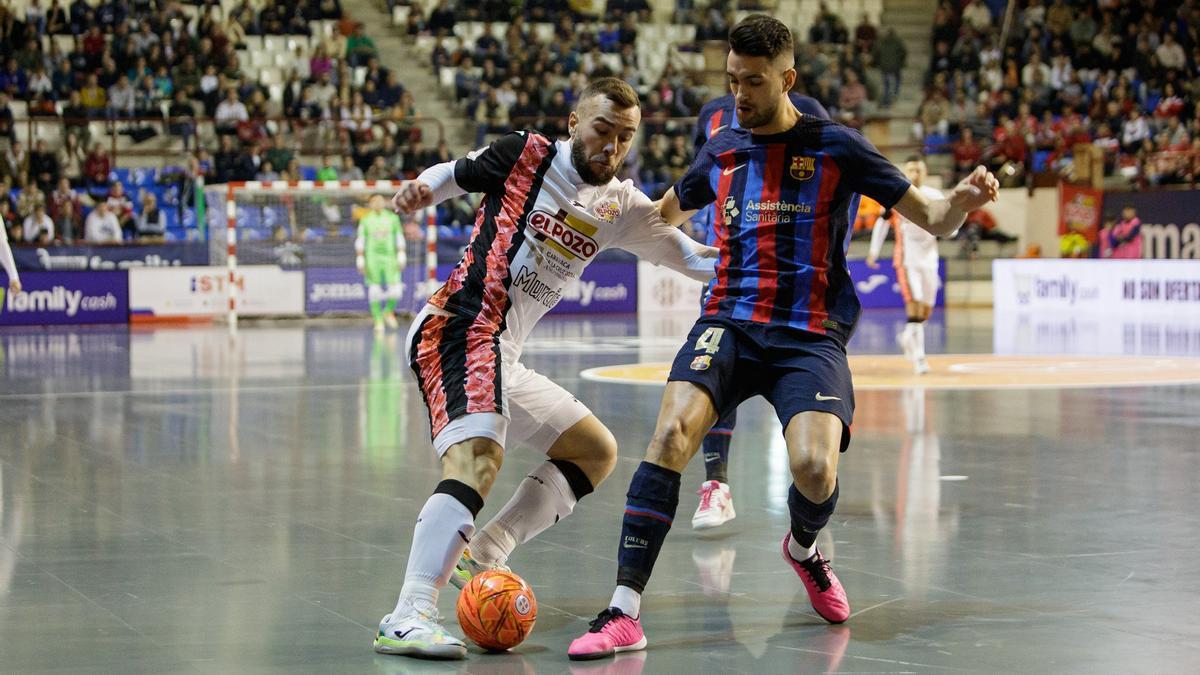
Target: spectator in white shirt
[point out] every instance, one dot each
(1170, 54)
(1134, 131)
(230, 112)
(1035, 65)
(121, 98)
(102, 226)
(977, 16)
(38, 227)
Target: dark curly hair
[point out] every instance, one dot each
(761, 35)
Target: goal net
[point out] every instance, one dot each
(310, 227)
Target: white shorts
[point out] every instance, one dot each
(918, 284)
(459, 389)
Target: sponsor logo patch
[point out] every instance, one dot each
(608, 211)
(567, 234)
(731, 209)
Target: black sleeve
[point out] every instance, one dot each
(487, 170)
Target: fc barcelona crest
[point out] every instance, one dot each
(701, 362)
(803, 168)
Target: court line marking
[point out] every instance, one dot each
(597, 374)
(871, 658)
(875, 606)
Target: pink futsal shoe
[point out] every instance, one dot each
(611, 633)
(824, 590)
(716, 506)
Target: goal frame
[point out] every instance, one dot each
(311, 186)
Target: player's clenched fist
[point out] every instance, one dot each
(412, 195)
(975, 190)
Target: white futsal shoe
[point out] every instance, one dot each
(420, 634)
(716, 506)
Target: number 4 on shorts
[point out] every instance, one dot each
(710, 340)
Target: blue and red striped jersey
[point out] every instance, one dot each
(782, 222)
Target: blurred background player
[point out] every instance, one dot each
(7, 262)
(915, 257)
(381, 258)
(716, 497)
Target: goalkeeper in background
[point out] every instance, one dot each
(380, 257)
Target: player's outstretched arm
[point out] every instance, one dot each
(485, 170)
(671, 211)
(942, 217)
(648, 236)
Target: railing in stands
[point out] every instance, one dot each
(316, 138)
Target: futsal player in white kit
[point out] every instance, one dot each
(548, 209)
(915, 258)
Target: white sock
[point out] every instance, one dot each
(443, 529)
(541, 500)
(918, 340)
(628, 601)
(799, 552)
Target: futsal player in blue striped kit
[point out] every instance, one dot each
(777, 318)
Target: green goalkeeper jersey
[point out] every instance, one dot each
(381, 234)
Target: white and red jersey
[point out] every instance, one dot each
(914, 246)
(538, 226)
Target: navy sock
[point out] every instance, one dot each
(716, 448)
(653, 496)
(808, 518)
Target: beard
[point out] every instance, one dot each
(586, 169)
(755, 119)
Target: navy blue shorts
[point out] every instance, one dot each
(795, 370)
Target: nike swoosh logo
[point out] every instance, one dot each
(729, 172)
(718, 130)
(826, 398)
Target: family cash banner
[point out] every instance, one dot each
(57, 298)
(116, 257)
(1116, 287)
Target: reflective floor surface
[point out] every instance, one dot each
(177, 501)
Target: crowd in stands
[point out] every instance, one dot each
(513, 77)
(1120, 76)
(135, 62)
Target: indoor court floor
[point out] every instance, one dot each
(179, 501)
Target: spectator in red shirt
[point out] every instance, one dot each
(96, 167)
(1170, 105)
(1010, 146)
(967, 153)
